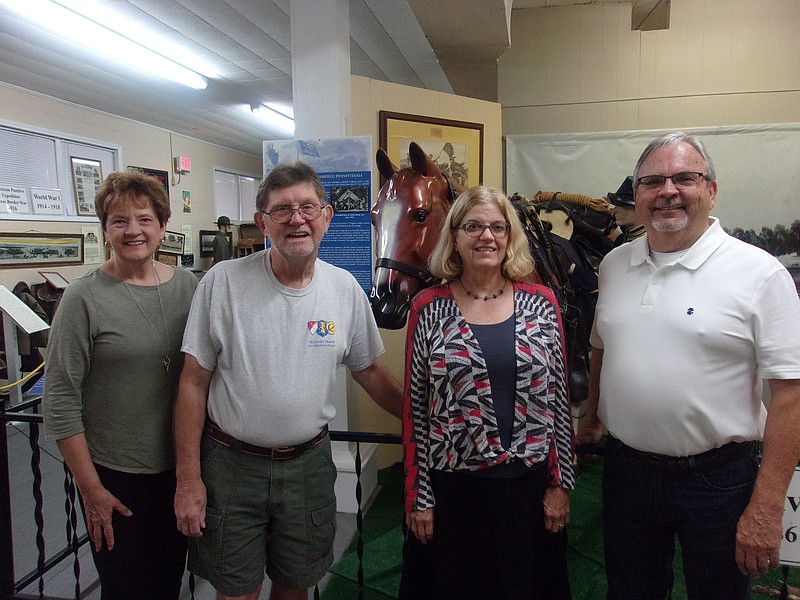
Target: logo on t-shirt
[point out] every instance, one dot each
(321, 328)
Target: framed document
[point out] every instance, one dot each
(87, 175)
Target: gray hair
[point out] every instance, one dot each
(286, 175)
(673, 139)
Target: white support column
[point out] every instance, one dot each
(322, 108)
(321, 67)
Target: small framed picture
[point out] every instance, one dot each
(167, 259)
(87, 175)
(207, 241)
(172, 243)
(54, 279)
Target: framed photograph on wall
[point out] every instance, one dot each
(162, 176)
(167, 259)
(40, 249)
(172, 243)
(87, 175)
(207, 241)
(456, 146)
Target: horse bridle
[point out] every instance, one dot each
(423, 275)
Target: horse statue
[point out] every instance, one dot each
(567, 234)
(407, 218)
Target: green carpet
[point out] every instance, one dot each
(383, 542)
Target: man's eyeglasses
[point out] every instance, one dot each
(283, 214)
(498, 229)
(685, 179)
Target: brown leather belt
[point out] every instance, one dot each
(686, 465)
(281, 453)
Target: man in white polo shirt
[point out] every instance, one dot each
(689, 321)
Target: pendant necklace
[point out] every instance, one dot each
(167, 359)
(484, 298)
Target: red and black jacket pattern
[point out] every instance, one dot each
(448, 417)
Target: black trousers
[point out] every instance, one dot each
(149, 555)
(489, 542)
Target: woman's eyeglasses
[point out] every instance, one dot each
(498, 229)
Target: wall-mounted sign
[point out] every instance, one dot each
(14, 200)
(47, 202)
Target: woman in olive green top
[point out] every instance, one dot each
(113, 362)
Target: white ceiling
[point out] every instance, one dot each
(246, 43)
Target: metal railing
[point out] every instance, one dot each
(12, 587)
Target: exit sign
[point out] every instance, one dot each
(183, 164)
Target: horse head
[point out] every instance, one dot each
(407, 218)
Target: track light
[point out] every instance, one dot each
(72, 25)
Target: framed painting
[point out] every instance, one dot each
(172, 243)
(162, 176)
(40, 249)
(455, 146)
(87, 175)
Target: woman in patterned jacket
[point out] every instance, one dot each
(487, 435)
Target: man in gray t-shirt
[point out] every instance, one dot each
(265, 337)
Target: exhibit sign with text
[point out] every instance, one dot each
(790, 546)
(344, 166)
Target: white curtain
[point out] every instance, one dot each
(758, 167)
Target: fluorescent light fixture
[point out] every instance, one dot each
(273, 117)
(286, 110)
(71, 25)
(105, 13)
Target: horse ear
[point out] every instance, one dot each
(385, 166)
(421, 162)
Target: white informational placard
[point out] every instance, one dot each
(92, 245)
(20, 313)
(14, 200)
(47, 202)
(790, 545)
(186, 230)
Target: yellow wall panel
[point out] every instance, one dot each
(591, 52)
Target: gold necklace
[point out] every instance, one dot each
(167, 359)
(484, 298)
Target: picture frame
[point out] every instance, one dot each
(87, 175)
(456, 146)
(167, 259)
(172, 243)
(54, 279)
(162, 176)
(207, 241)
(22, 250)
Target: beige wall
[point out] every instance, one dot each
(370, 96)
(721, 62)
(142, 146)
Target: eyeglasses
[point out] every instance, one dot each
(473, 229)
(283, 214)
(685, 179)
